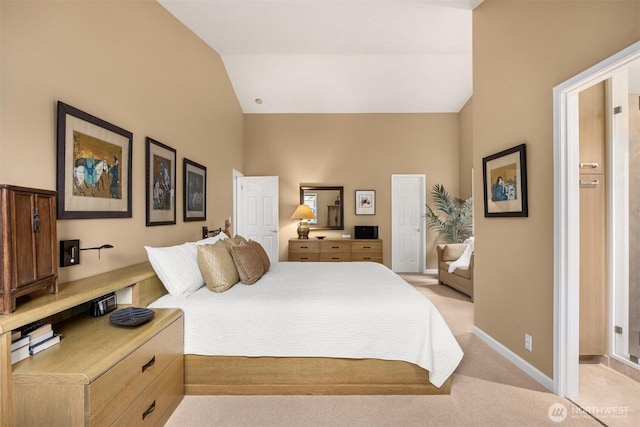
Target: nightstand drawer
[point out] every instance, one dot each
(120, 385)
(157, 402)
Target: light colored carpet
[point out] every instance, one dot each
(487, 390)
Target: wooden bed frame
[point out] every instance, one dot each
(223, 375)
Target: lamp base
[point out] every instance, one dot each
(303, 230)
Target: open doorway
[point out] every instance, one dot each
(615, 70)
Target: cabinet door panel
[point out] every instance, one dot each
(44, 238)
(23, 238)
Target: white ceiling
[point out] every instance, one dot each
(335, 56)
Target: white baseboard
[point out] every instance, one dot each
(431, 271)
(522, 364)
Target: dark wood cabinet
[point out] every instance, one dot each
(28, 251)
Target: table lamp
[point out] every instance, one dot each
(303, 213)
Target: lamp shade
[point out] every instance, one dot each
(303, 212)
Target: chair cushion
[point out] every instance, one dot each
(453, 251)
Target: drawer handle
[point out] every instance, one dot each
(335, 247)
(366, 258)
(589, 165)
(304, 247)
(335, 257)
(149, 410)
(149, 364)
(366, 247)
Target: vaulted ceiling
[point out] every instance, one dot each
(334, 56)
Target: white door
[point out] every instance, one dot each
(407, 231)
(257, 212)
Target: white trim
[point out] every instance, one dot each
(525, 366)
(566, 210)
(234, 177)
(431, 271)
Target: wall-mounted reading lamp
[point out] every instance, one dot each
(70, 252)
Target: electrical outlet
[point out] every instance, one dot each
(528, 342)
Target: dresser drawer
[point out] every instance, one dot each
(304, 257)
(366, 246)
(113, 391)
(366, 250)
(158, 401)
(335, 247)
(335, 257)
(303, 247)
(360, 256)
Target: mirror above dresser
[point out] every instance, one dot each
(326, 202)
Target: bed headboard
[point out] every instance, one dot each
(147, 291)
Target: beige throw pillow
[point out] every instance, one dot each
(264, 258)
(217, 267)
(248, 263)
(231, 242)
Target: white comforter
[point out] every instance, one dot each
(348, 310)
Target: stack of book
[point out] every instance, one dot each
(19, 346)
(32, 339)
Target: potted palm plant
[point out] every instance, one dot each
(455, 223)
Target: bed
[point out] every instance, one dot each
(315, 328)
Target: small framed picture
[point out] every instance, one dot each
(365, 202)
(505, 183)
(161, 183)
(195, 191)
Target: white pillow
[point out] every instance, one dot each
(212, 240)
(177, 268)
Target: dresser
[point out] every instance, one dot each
(335, 250)
(28, 255)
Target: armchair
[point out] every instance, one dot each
(461, 278)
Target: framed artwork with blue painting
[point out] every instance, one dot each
(93, 166)
(195, 191)
(160, 183)
(505, 183)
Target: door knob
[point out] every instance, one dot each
(418, 229)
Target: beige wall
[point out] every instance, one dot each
(134, 65)
(522, 49)
(357, 151)
(466, 150)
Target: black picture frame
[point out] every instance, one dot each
(94, 158)
(365, 202)
(160, 183)
(194, 191)
(505, 183)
